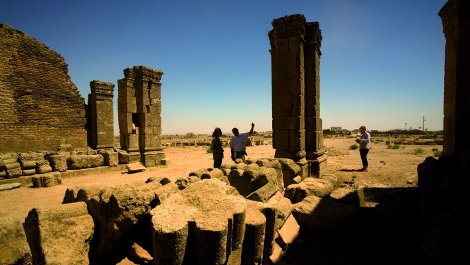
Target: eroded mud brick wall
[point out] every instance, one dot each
(40, 107)
(101, 120)
(295, 59)
(455, 17)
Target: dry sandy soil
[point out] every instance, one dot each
(394, 169)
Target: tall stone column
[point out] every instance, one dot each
(100, 118)
(295, 58)
(288, 85)
(140, 115)
(455, 15)
(316, 154)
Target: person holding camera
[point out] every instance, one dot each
(364, 145)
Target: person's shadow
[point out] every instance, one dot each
(349, 170)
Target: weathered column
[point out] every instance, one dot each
(100, 119)
(140, 115)
(295, 58)
(455, 17)
(316, 154)
(288, 85)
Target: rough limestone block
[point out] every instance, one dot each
(42, 169)
(12, 165)
(58, 162)
(253, 243)
(59, 234)
(268, 176)
(110, 158)
(289, 170)
(204, 223)
(276, 214)
(276, 165)
(9, 186)
(309, 186)
(123, 157)
(121, 215)
(13, 173)
(28, 164)
(14, 247)
(199, 173)
(323, 214)
(84, 161)
(46, 180)
(288, 232)
(135, 167)
(347, 195)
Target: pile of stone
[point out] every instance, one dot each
(243, 213)
(13, 165)
(9, 166)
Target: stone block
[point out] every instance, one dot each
(308, 187)
(153, 158)
(110, 157)
(46, 180)
(135, 167)
(14, 246)
(323, 214)
(10, 186)
(288, 232)
(59, 234)
(208, 227)
(84, 161)
(58, 162)
(253, 243)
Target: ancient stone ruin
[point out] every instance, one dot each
(139, 108)
(444, 181)
(46, 127)
(295, 56)
(100, 115)
(40, 106)
(243, 213)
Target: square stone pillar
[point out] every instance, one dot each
(295, 58)
(101, 115)
(455, 15)
(288, 85)
(139, 104)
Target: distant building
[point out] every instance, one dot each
(336, 129)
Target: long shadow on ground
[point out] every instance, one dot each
(386, 232)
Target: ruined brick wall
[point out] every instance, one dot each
(40, 107)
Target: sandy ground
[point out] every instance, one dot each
(387, 168)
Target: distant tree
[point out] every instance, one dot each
(190, 135)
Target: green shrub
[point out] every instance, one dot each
(418, 151)
(395, 146)
(353, 147)
(436, 153)
(208, 150)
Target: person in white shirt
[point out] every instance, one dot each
(364, 146)
(238, 143)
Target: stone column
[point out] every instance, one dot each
(101, 120)
(316, 154)
(295, 58)
(140, 115)
(288, 85)
(455, 17)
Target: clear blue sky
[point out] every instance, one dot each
(382, 61)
